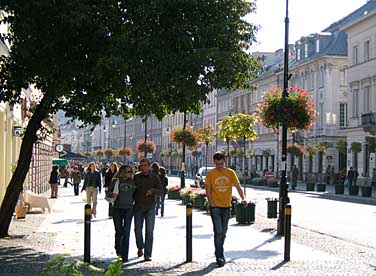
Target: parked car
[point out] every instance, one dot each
(200, 176)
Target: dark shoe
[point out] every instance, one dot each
(147, 259)
(139, 253)
(221, 262)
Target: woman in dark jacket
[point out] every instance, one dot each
(109, 174)
(164, 182)
(123, 208)
(54, 179)
(92, 183)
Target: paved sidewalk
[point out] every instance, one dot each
(249, 250)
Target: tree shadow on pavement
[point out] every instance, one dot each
(204, 271)
(18, 260)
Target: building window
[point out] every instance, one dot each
(305, 50)
(366, 51)
(317, 46)
(355, 55)
(342, 115)
(367, 99)
(321, 115)
(355, 103)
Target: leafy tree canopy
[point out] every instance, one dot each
(231, 128)
(87, 56)
(206, 135)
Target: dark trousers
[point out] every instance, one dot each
(220, 218)
(160, 204)
(147, 215)
(122, 221)
(76, 188)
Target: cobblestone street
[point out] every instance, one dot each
(249, 250)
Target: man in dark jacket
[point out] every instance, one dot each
(148, 185)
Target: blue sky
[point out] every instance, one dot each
(306, 17)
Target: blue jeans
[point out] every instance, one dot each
(147, 215)
(220, 218)
(122, 220)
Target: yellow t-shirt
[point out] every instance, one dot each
(221, 181)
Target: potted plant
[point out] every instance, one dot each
(339, 187)
(310, 181)
(173, 192)
(366, 189)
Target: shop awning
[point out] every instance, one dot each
(60, 162)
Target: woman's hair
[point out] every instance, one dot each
(112, 164)
(162, 171)
(155, 167)
(92, 163)
(122, 172)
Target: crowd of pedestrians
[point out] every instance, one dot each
(134, 193)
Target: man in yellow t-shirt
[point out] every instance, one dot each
(219, 182)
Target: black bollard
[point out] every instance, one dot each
(287, 232)
(189, 233)
(87, 233)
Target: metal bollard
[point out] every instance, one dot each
(287, 232)
(87, 233)
(189, 233)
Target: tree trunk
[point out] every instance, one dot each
(16, 183)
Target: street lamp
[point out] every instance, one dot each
(182, 178)
(283, 193)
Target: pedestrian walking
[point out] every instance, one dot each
(351, 176)
(155, 170)
(92, 184)
(54, 179)
(110, 172)
(164, 182)
(122, 211)
(148, 185)
(218, 183)
(373, 177)
(76, 180)
(66, 175)
(294, 177)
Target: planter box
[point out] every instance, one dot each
(321, 187)
(202, 203)
(310, 186)
(245, 215)
(339, 189)
(353, 190)
(366, 191)
(173, 195)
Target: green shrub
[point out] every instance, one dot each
(59, 265)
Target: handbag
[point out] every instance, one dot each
(111, 196)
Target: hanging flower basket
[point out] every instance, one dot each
(148, 147)
(297, 110)
(184, 136)
(295, 149)
(322, 146)
(127, 151)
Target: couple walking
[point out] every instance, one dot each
(134, 196)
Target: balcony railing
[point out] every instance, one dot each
(369, 119)
(369, 122)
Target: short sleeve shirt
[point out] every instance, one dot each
(221, 181)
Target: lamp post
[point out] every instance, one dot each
(125, 132)
(182, 177)
(283, 193)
